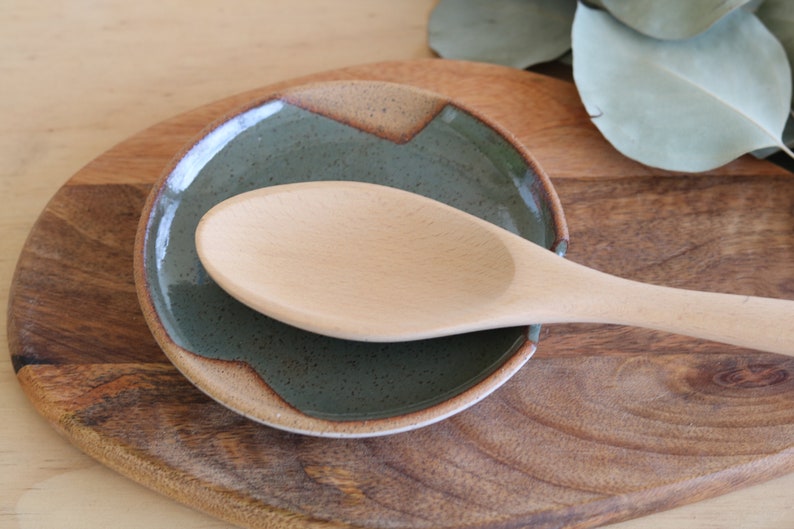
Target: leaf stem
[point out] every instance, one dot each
(785, 149)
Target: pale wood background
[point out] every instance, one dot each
(77, 78)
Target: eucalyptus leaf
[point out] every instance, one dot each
(517, 33)
(752, 5)
(688, 105)
(778, 16)
(670, 19)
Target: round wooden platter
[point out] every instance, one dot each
(603, 424)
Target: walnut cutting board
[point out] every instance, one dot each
(603, 424)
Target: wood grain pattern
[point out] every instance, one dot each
(605, 423)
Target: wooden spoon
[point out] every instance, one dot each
(373, 263)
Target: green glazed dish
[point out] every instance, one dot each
(367, 131)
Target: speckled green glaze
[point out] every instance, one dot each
(455, 158)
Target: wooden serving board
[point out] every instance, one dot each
(605, 423)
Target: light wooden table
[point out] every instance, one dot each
(78, 77)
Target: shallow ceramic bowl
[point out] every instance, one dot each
(354, 130)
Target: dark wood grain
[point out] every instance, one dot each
(605, 423)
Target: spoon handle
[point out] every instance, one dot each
(759, 323)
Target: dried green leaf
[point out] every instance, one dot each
(752, 5)
(687, 105)
(778, 16)
(670, 19)
(517, 33)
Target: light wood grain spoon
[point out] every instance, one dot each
(373, 263)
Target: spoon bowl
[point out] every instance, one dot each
(368, 262)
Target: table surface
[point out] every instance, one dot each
(81, 76)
